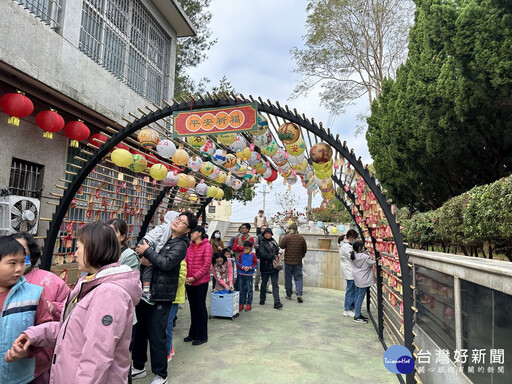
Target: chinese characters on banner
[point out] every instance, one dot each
(215, 120)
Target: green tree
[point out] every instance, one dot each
(350, 47)
(445, 124)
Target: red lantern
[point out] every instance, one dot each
(97, 139)
(152, 160)
(76, 131)
(49, 121)
(16, 105)
(272, 177)
(122, 146)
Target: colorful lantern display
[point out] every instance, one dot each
(16, 105)
(148, 138)
(191, 181)
(121, 157)
(270, 150)
(50, 122)
(158, 171)
(182, 180)
(226, 138)
(254, 159)
(237, 184)
(297, 148)
(244, 154)
(222, 177)
(320, 153)
(215, 173)
(280, 157)
(260, 168)
(195, 163)
(322, 166)
(138, 164)
(272, 177)
(262, 126)
(241, 171)
(208, 148)
(267, 174)
(263, 140)
(196, 141)
(166, 148)
(220, 194)
(291, 179)
(300, 167)
(239, 144)
(201, 188)
(288, 133)
(171, 180)
(296, 159)
(76, 131)
(219, 157)
(207, 168)
(212, 191)
(231, 161)
(180, 157)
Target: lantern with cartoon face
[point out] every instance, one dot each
(244, 154)
(215, 173)
(242, 171)
(207, 168)
(231, 161)
(219, 157)
(237, 184)
(239, 144)
(195, 163)
(208, 148)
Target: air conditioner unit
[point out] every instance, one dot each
(19, 214)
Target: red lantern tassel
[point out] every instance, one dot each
(48, 135)
(13, 120)
(73, 143)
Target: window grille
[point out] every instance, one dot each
(26, 178)
(211, 209)
(121, 36)
(46, 10)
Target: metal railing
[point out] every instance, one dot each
(45, 10)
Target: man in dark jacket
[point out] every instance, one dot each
(267, 251)
(152, 320)
(295, 249)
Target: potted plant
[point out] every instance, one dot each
(327, 213)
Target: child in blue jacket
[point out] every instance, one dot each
(246, 264)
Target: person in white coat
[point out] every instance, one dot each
(347, 266)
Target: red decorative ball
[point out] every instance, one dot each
(16, 105)
(97, 139)
(122, 146)
(272, 177)
(76, 131)
(50, 122)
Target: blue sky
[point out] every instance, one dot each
(253, 52)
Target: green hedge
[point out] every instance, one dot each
(477, 222)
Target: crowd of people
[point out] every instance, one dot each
(99, 331)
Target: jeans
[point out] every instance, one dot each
(274, 276)
(198, 312)
(151, 325)
(359, 297)
(296, 272)
(350, 295)
(172, 315)
(245, 289)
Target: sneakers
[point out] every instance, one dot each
(172, 352)
(199, 342)
(147, 298)
(240, 307)
(364, 318)
(299, 299)
(349, 313)
(256, 288)
(159, 380)
(269, 291)
(262, 302)
(288, 297)
(248, 308)
(360, 319)
(138, 373)
(278, 305)
(170, 355)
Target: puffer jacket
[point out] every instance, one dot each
(363, 270)
(167, 268)
(267, 252)
(92, 338)
(347, 266)
(180, 293)
(199, 259)
(295, 248)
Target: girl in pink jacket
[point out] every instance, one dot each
(93, 335)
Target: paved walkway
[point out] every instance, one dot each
(301, 343)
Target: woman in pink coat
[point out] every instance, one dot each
(199, 258)
(93, 335)
(55, 292)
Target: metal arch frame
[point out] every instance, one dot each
(312, 127)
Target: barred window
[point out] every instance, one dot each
(46, 10)
(211, 209)
(121, 36)
(26, 178)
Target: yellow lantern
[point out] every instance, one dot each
(297, 148)
(271, 149)
(182, 180)
(212, 192)
(222, 177)
(139, 163)
(226, 138)
(323, 166)
(244, 154)
(180, 157)
(196, 141)
(191, 181)
(207, 168)
(148, 138)
(301, 166)
(158, 171)
(220, 194)
(121, 157)
(230, 161)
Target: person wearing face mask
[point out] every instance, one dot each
(216, 242)
(347, 268)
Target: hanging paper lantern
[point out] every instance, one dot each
(254, 159)
(297, 148)
(261, 168)
(97, 139)
(296, 159)
(254, 179)
(270, 150)
(196, 141)
(201, 188)
(208, 148)
(267, 174)
(279, 157)
(324, 174)
(121, 157)
(231, 161)
(195, 163)
(212, 191)
(171, 179)
(235, 168)
(158, 171)
(222, 177)
(272, 177)
(244, 154)
(237, 184)
(230, 180)
(166, 148)
(219, 157)
(180, 157)
(241, 171)
(16, 105)
(300, 167)
(215, 173)
(139, 163)
(76, 131)
(191, 181)
(182, 180)
(226, 138)
(121, 146)
(288, 133)
(50, 122)
(191, 196)
(322, 166)
(320, 153)
(207, 168)
(262, 126)
(239, 144)
(220, 194)
(263, 140)
(148, 138)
